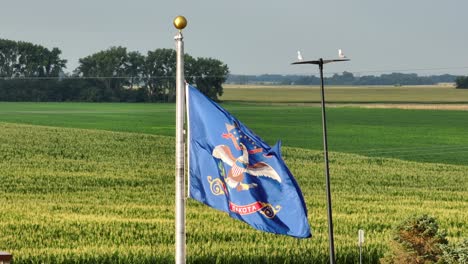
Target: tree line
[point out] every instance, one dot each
(462, 82)
(30, 72)
(346, 78)
(18, 59)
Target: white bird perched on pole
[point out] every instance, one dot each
(341, 54)
(299, 56)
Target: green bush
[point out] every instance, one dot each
(417, 240)
(455, 254)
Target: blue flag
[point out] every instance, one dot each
(233, 170)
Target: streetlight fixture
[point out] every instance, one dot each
(320, 62)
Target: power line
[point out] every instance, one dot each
(219, 76)
(106, 77)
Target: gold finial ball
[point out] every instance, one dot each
(180, 22)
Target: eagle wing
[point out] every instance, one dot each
(263, 169)
(224, 153)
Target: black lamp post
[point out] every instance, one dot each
(320, 62)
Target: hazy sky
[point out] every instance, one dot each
(255, 37)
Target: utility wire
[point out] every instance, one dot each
(219, 76)
(106, 77)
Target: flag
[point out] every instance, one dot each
(231, 169)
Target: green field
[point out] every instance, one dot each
(416, 135)
(94, 183)
(141, 118)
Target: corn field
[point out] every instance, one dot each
(87, 196)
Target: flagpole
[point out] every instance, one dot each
(180, 23)
(320, 62)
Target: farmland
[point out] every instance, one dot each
(72, 195)
(346, 94)
(94, 183)
(416, 135)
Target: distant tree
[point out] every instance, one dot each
(109, 68)
(159, 74)
(106, 63)
(346, 78)
(8, 57)
(367, 80)
(208, 75)
(462, 82)
(24, 59)
(109, 75)
(51, 65)
(134, 68)
(240, 78)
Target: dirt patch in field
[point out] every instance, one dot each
(463, 107)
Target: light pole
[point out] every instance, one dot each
(320, 62)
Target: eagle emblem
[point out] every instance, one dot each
(240, 166)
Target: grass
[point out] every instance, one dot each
(89, 196)
(156, 119)
(75, 193)
(345, 94)
(419, 135)
(415, 135)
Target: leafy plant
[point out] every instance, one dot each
(455, 254)
(417, 240)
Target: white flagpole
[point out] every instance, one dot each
(180, 22)
(187, 104)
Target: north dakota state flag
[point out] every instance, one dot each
(233, 170)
